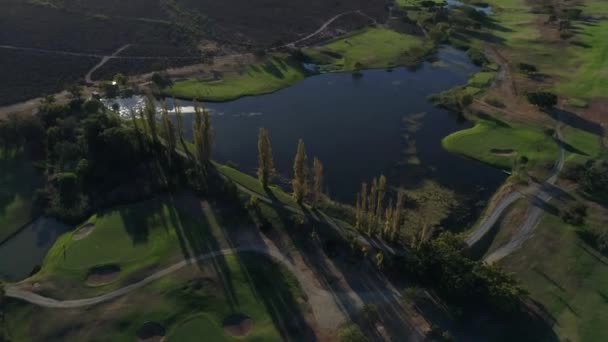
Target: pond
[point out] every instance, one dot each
(25, 251)
(379, 122)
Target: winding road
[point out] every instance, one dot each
(539, 193)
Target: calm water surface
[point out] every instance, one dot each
(380, 123)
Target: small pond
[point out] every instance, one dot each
(25, 251)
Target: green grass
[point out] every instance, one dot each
(567, 277)
(134, 237)
(197, 326)
(370, 48)
(18, 181)
(254, 185)
(581, 144)
(489, 134)
(481, 79)
(246, 283)
(259, 79)
(581, 70)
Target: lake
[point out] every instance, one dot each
(359, 127)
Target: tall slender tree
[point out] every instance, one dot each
(207, 134)
(150, 114)
(300, 171)
(168, 133)
(396, 219)
(266, 170)
(179, 120)
(317, 181)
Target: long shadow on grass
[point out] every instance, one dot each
(573, 120)
(193, 226)
(352, 281)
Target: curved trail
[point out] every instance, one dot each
(324, 27)
(104, 60)
(544, 195)
(539, 193)
(329, 308)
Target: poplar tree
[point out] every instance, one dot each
(396, 219)
(168, 132)
(318, 181)
(180, 128)
(150, 114)
(266, 170)
(207, 135)
(300, 171)
(197, 136)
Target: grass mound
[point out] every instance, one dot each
(370, 48)
(195, 328)
(490, 135)
(260, 79)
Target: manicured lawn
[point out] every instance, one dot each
(370, 48)
(481, 79)
(254, 185)
(567, 277)
(134, 237)
(18, 181)
(581, 69)
(195, 327)
(190, 304)
(581, 144)
(499, 143)
(265, 78)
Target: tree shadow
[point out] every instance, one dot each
(194, 231)
(575, 121)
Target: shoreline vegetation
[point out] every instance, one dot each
(371, 48)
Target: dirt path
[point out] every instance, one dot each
(325, 304)
(535, 211)
(324, 27)
(539, 194)
(104, 60)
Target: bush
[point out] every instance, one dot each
(542, 99)
(575, 214)
(352, 333)
(527, 68)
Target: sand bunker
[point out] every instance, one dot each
(102, 275)
(238, 325)
(503, 152)
(83, 231)
(151, 332)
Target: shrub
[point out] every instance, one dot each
(352, 333)
(527, 68)
(575, 214)
(542, 99)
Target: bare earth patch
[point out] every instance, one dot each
(151, 332)
(238, 325)
(102, 275)
(83, 232)
(504, 152)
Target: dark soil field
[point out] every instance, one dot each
(272, 22)
(170, 29)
